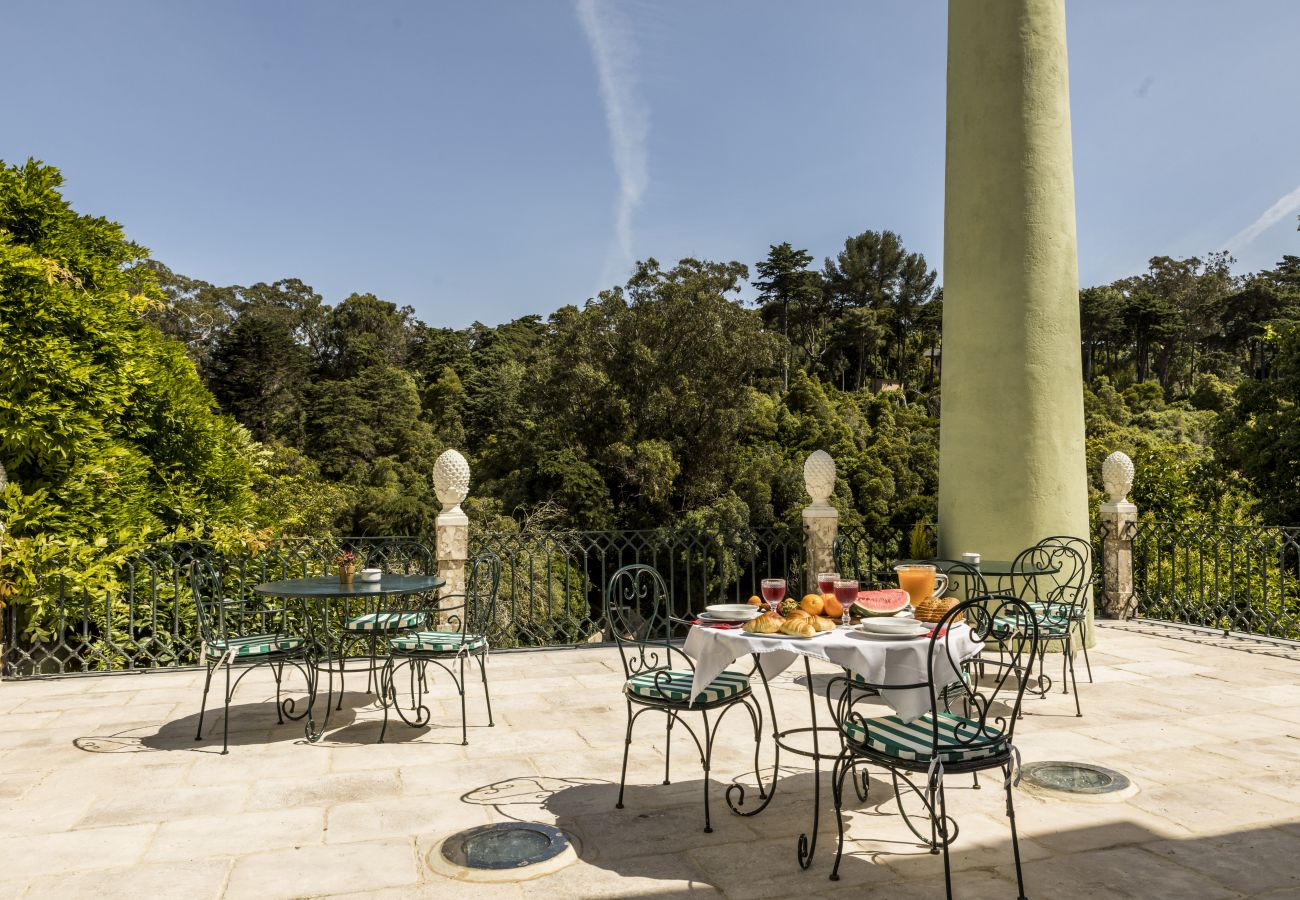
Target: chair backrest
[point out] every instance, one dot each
(1067, 586)
(209, 602)
(991, 696)
(476, 613)
(964, 579)
(638, 610)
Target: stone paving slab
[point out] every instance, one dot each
(104, 792)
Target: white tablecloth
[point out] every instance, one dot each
(880, 662)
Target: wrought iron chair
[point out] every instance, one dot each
(244, 631)
(944, 742)
(967, 581)
(1059, 601)
(659, 675)
(461, 634)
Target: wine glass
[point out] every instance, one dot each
(826, 581)
(773, 591)
(846, 592)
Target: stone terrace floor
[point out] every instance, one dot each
(104, 793)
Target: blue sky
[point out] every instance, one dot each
(493, 159)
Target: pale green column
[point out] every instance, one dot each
(1011, 459)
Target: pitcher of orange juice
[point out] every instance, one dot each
(921, 582)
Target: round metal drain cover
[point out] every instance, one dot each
(504, 845)
(1074, 778)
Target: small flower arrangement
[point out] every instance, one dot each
(347, 562)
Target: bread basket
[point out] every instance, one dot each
(932, 609)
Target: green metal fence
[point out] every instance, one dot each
(136, 611)
(1231, 577)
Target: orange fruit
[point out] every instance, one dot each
(812, 604)
(831, 607)
(756, 601)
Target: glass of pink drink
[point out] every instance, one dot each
(846, 592)
(773, 591)
(826, 581)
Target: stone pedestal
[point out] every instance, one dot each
(821, 524)
(452, 549)
(1118, 521)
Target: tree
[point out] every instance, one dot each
(1101, 323)
(792, 300)
(875, 272)
(105, 425)
(1260, 436)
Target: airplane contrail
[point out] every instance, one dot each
(1274, 214)
(626, 117)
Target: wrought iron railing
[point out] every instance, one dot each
(134, 608)
(865, 554)
(552, 582)
(1232, 577)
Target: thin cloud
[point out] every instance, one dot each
(1274, 214)
(614, 51)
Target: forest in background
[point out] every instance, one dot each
(138, 403)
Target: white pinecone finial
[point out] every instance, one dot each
(451, 480)
(819, 477)
(1117, 475)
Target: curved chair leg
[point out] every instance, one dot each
(203, 705)
(843, 766)
(482, 668)
(225, 720)
(627, 745)
(387, 692)
(278, 668)
(1083, 639)
(464, 733)
(1015, 839)
(705, 762)
(1074, 684)
(942, 832)
(668, 748)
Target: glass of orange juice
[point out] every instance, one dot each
(921, 582)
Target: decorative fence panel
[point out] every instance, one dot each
(866, 555)
(1231, 577)
(552, 583)
(133, 608)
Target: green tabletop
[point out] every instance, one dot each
(330, 586)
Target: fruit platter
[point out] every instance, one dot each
(814, 615)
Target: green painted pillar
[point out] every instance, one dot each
(1011, 458)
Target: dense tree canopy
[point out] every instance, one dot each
(136, 401)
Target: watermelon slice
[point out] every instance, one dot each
(880, 603)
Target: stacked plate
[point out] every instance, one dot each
(893, 628)
(731, 612)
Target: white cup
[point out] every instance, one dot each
(971, 559)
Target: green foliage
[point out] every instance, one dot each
(1261, 434)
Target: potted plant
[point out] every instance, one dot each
(347, 562)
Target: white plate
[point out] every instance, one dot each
(876, 636)
(889, 625)
(732, 612)
(715, 620)
(919, 631)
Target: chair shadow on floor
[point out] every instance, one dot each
(659, 821)
(254, 723)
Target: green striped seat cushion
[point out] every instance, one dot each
(676, 686)
(256, 645)
(437, 642)
(1048, 623)
(915, 740)
(386, 621)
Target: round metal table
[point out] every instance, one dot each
(317, 597)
